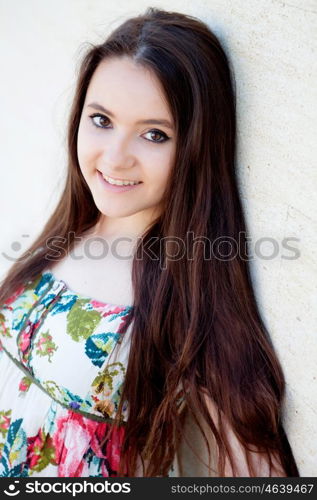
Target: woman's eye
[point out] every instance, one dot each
(100, 121)
(156, 136)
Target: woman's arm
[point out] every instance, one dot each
(259, 460)
(192, 458)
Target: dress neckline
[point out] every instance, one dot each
(63, 284)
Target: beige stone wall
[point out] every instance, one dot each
(272, 46)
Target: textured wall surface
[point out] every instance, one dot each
(272, 48)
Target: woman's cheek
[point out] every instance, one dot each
(88, 153)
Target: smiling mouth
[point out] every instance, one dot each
(117, 187)
(119, 182)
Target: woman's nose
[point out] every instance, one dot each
(118, 153)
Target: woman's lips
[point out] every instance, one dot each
(116, 189)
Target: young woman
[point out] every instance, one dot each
(150, 358)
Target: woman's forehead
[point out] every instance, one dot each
(126, 87)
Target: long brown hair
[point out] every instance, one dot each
(197, 330)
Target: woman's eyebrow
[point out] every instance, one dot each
(149, 121)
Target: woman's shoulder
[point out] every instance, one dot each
(107, 280)
(47, 292)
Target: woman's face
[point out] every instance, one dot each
(126, 132)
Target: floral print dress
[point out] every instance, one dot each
(61, 371)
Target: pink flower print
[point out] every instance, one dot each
(97, 305)
(34, 445)
(40, 451)
(71, 440)
(25, 337)
(113, 447)
(110, 450)
(24, 340)
(75, 435)
(22, 387)
(25, 384)
(114, 310)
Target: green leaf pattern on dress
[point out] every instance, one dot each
(81, 320)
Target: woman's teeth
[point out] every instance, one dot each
(119, 183)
